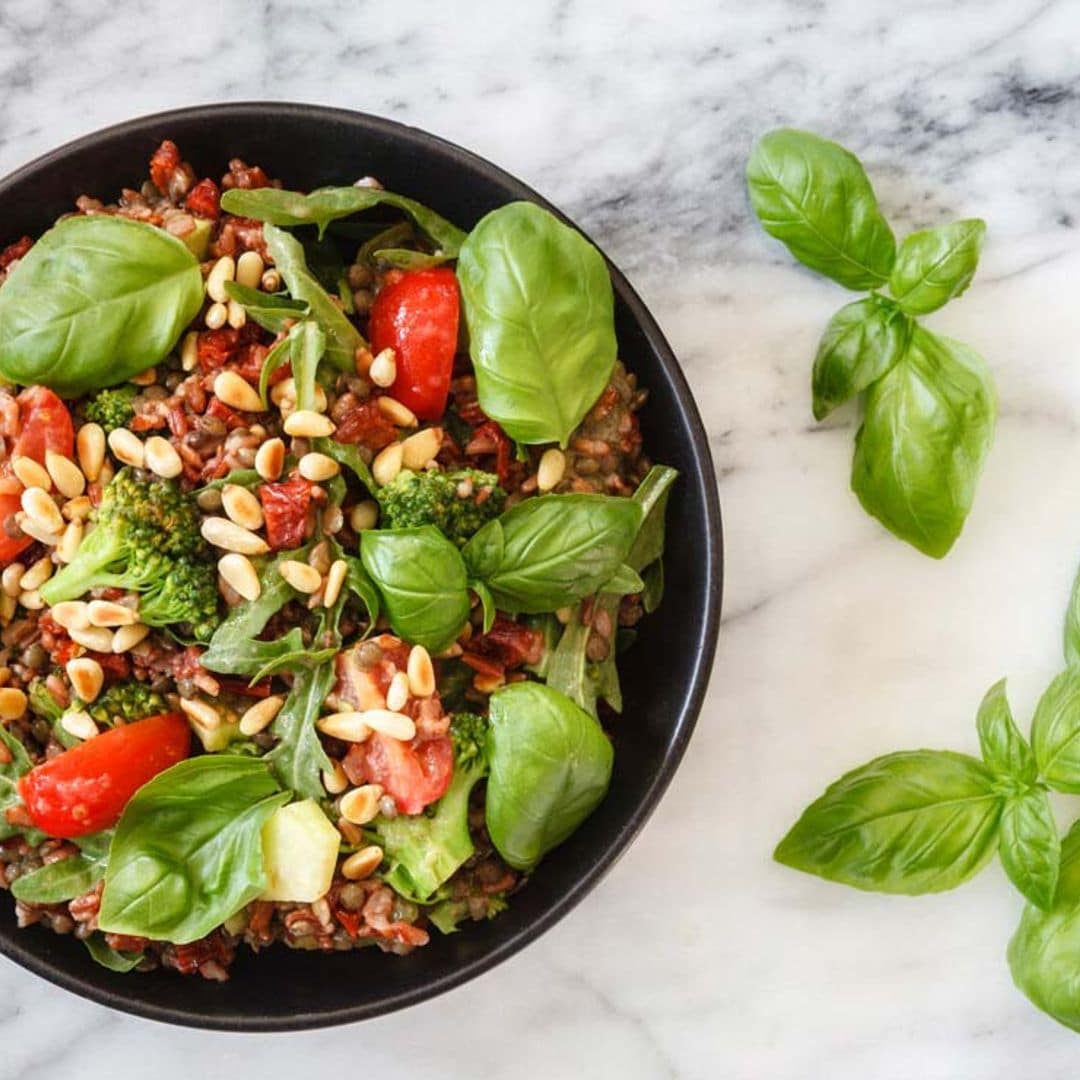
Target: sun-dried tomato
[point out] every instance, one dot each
(366, 425)
(286, 507)
(15, 251)
(243, 175)
(490, 438)
(218, 347)
(163, 164)
(231, 417)
(204, 200)
(509, 642)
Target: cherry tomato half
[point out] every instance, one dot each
(414, 774)
(86, 788)
(417, 316)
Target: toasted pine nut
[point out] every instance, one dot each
(90, 444)
(145, 378)
(397, 693)
(37, 504)
(397, 413)
(347, 726)
(260, 715)
(105, 477)
(383, 370)
(318, 467)
(334, 780)
(363, 863)
(12, 577)
(77, 509)
(30, 473)
(71, 614)
(240, 575)
(162, 458)
(308, 424)
(31, 600)
(226, 534)
(361, 805)
(417, 450)
(332, 519)
(551, 469)
(395, 725)
(8, 604)
(94, 638)
(70, 540)
(282, 390)
(270, 459)
(127, 637)
(216, 316)
(32, 527)
(249, 269)
(270, 281)
(38, 574)
(320, 557)
(189, 351)
(242, 506)
(364, 515)
(223, 270)
(86, 677)
(127, 448)
(387, 464)
(12, 703)
(107, 613)
(79, 724)
(300, 576)
(237, 392)
(235, 314)
(421, 672)
(204, 715)
(66, 475)
(335, 579)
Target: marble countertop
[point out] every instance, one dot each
(698, 957)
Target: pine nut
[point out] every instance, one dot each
(332, 519)
(31, 600)
(70, 540)
(8, 604)
(249, 269)
(94, 638)
(395, 725)
(86, 677)
(397, 693)
(347, 726)
(162, 458)
(90, 444)
(223, 270)
(12, 703)
(397, 413)
(71, 614)
(12, 577)
(107, 613)
(363, 863)
(318, 467)
(361, 805)
(236, 392)
(30, 473)
(37, 504)
(260, 715)
(77, 509)
(270, 281)
(66, 475)
(335, 579)
(300, 576)
(226, 534)
(551, 469)
(144, 378)
(270, 459)
(79, 724)
(240, 575)
(105, 477)
(127, 448)
(387, 464)
(204, 715)
(364, 515)
(34, 528)
(308, 424)
(334, 779)
(127, 637)
(235, 314)
(320, 557)
(383, 370)
(38, 574)
(417, 450)
(242, 506)
(189, 351)
(421, 672)
(216, 316)
(286, 389)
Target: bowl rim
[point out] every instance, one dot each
(23, 953)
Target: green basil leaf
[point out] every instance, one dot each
(539, 309)
(550, 766)
(187, 852)
(814, 195)
(1030, 847)
(486, 603)
(422, 580)
(862, 342)
(935, 265)
(915, 822)
(624, 582)
(928, 427)
(1004, 749)
(96, 300)
(1055, 732)
(108, 957)
(654, 586)
(272, 311)
(557, 549)
(298, 759)
(652, 496)
(1072, 625)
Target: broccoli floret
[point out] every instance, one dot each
(113, 408)
(126, 701)
(146, 540)
(457, 503)
(42, 704)
(425, 849)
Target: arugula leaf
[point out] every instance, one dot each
(298, 759)
(64, 879)
(936, 265)
(1004, 749)
(108, 957)
(272, 311)
(309, 345)
(348, 457)
(1030, 847)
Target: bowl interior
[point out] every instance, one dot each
(664, 676)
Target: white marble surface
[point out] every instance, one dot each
(698, 957)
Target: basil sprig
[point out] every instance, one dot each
(930, 405)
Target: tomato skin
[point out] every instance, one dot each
(86, 788)
(417, 316)
(413, 774)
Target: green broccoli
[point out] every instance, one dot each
(457, 503)
(112, 408)
(146, 540)
(126, 701)
(42, 703)
(424, 850)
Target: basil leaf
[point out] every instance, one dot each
(298, 759)
(486, 603)
(1004, 749)
(550, 766)
(652, 496)
(813, 195)
(624, 582)
(187, 852)
(96, 300)
(557, 549)
(539, 309)
(342, 338)
(422, 580)
(1030, 847)
(272, 311)
(654, 587)
(1055, 732)
(1072, 625)
(928, 427)
(862, 342)
(915, 822)
(108, 957)
(935, 265)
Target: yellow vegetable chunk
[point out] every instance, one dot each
(300, 849)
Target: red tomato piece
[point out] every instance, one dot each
(9, 545)
(45, 424)
(285, 507)
(413, 774)
(203, 199)
(417, 316)
(86, 788)
(15, 251)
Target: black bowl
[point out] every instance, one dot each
(664, 677)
